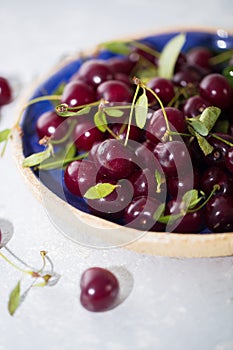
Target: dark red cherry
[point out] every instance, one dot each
(79, 176)
(219, 213)
(216, 89)
(114, 159)
(199, 56)
(177, 186)
(99, 289)
(85, 134)
(140, 214)
(114, 91)
(135, 133)
(163, 88)
(95, 72)
(121, 65)
(77, 93)
(190, 222)
(216, 176)
(194, 106)
(5, 92)
(173, 157)
(157, 126)
(50, 124)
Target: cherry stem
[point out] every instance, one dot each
(222, 57)
(67, 135)
(222, 140)
(31, 273)
(216, 187)
(36, 100)
(168, 131)
(131, 114)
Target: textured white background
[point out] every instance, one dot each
(174, 304)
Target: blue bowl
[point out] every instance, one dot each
(217, 40)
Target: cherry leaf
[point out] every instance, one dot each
(38, 158)
(191, 198)
(198, 126)
(113, 112)
(60, 159)
(141, 110)
(101, 190)
(159, 212)
(14, 300)
(100, 121)
(204, 144)
(209, 117)
(169, 56)
(4, 135)
(118, 47)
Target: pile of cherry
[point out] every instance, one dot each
(151, 173)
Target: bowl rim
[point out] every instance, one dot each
(178, 245)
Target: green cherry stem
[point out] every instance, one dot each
(222, 57)
(222, 140)
(31, 273)
(131, 114)
(216, 187)
(168, 131)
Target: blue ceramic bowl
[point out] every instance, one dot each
(216, 40)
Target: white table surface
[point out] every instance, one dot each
(174, 304)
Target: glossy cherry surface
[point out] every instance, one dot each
(99, 289)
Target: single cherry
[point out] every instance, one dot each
(5, 92)
(99, 289)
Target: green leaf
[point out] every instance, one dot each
(101, 190)
(100, 121)
(204, 144)
(169, 218)
(209, 117)
(145, 74)
(118, 47)
(37, 158)
(4, 135)
(159, 212)
(112, 112)
(60, 158)
(169, 56)
(14, 299)
(159, 180)
(191, 198)
(198, 126)
(141, 110)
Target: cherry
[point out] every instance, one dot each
(194, 106)
(219, 213)
(95, 72)
(216, 175)
(114, 159)
(157, 126)
(216, 89)
(144, 184)
(139, 214)
(173, 157)
(163, 88)
(146, 157)
(121, 65)
(77, 93)
(199, 56)
(85, 134)
(189, 75)
(79, 176)
(5, 92)
(190, 222)
(50, 124)
(114, 91)
(99, 289)
(185, 182)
